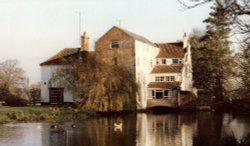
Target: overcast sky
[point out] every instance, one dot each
(33, 30)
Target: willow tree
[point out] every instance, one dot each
(108, 88)
(98, 86)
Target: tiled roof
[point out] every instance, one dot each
(167, 68)
(170, 50)
(166, 85)
(136, 36)
(57, 58)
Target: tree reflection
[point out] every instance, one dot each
(192, 129)
(101, 132)
(208, 130)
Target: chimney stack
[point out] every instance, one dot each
(185, 40)
(84, 42)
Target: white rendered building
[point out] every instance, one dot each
(163, 71)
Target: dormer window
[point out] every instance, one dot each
(176, 61)
(115, 44)
(163, 61)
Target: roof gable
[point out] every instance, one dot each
(129, 34)
(136, 36)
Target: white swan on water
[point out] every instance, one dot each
(39, 127)
(118, 126)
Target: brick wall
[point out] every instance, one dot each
(123, 56)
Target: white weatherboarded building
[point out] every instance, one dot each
(52, 93)
(163, 71)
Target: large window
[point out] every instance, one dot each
(160, 94)
(159, 79)
(115, 44)
(165, 78)
(170, 78)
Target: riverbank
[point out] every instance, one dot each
(42, 113)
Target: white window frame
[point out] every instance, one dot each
(153, 93)
(159, 78)
(115, 44)
(170, 78)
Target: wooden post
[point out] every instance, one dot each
(179, 99)
(66, 137)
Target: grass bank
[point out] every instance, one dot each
(42, 113)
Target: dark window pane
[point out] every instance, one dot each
(175, 61)
(163, 61)
(115, 44)
(165, 92)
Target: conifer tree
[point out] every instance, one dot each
(214, 59)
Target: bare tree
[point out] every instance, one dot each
(12, 78)
(35, 91)
(235, 7)
(239, 11)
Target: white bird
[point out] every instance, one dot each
(118, 127)
(39, 127)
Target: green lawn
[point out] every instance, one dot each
(41, 113)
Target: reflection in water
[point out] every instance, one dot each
(20, 134)
(101, 132)
(196, 129)
(174, 130)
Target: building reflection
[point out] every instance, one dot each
(175, 130)
(94, 132)
(20, 134)
(236, 125)
(194, 129)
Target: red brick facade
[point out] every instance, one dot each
(123, 56)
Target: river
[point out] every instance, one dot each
(185, 129)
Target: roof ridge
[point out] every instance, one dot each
(62, 53)
(136, 36)
(180, 42)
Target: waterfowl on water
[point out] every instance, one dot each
(57, 126)
(117, 126)
(39, 127)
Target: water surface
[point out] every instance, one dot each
(190, 129)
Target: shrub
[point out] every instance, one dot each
(15, 101)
